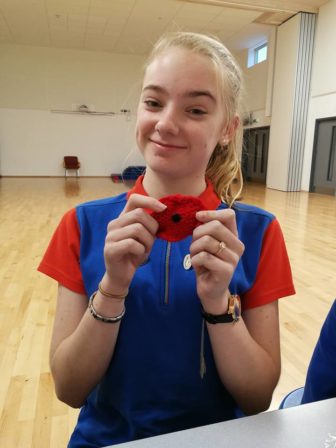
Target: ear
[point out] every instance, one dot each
(230, 131)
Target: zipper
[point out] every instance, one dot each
(166, 282)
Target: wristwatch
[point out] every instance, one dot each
(232, 314)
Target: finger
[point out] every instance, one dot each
(208, 244)
(205, 243)
(135, 231)
(226, 217)
(216, 251)
(124, 247)
(217, 230)
(138, 215)
(205, 261)
(145, 202)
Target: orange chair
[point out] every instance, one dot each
(71, 163)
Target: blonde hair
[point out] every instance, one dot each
(223, 169)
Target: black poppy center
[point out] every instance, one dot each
(176, 217)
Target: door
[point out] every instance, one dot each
(323, 174)
(255, 154)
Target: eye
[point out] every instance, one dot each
(152, 104)
(197, 111)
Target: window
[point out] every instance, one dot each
(260, 54)
(257, 54)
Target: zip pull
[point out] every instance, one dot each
(202, 359)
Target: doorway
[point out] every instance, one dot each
(255, 154)
(323, 172)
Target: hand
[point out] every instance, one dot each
(129, 241)
(214, 267)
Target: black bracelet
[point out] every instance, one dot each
(107, 320)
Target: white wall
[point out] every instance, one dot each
(283, 94)
(33, 143)
(323, 91)
(255, 98)
(35, 80)
(324, 69)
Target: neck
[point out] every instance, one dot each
(159, 186)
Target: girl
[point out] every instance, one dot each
(163, 344)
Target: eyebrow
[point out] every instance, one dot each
(188, 94)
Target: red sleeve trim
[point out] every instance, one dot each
(274, 276)
(61, 260)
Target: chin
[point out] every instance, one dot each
(164, 168)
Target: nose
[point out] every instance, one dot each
(167, 123)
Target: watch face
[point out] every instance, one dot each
(234, 307)
(236, 311)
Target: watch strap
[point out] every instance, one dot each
(232, 314)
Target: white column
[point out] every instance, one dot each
(293, 65)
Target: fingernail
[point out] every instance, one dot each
(200, 215)
(161, 206)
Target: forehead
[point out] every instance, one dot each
(179, 69)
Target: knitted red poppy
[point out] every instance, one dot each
(178, 220)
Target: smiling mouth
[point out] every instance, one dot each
(167, 145)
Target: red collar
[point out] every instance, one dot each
(209, 197)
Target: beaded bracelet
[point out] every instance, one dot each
(112, 296)
(107, 320)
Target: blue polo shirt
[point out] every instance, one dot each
(154, 383)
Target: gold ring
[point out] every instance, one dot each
(221, 246)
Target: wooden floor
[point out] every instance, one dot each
(30, 208)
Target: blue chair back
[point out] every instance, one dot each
(321, 375)
(292, 399)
